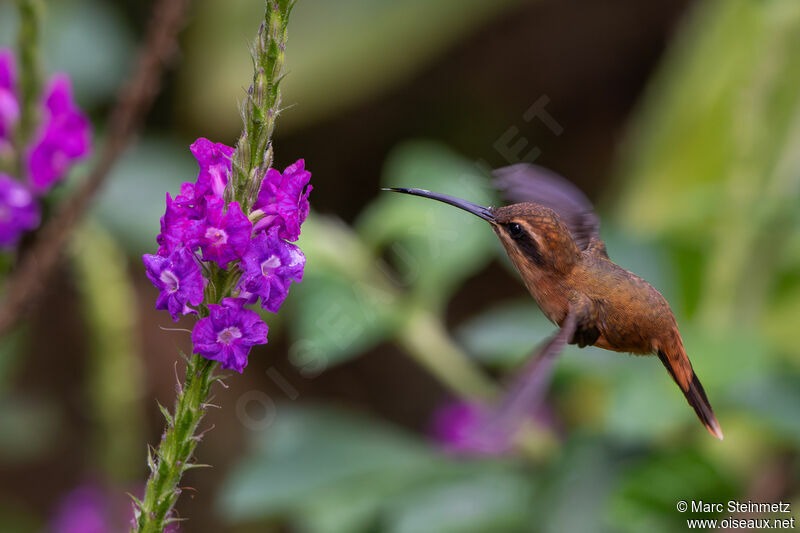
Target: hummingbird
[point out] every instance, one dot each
(551, 234)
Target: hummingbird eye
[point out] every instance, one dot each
(515, 230)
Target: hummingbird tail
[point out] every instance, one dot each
(695, 395)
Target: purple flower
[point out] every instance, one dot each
(64, 138)
(215, 166)
(228, 333)
(283, 200)
(84, 510)
(225, 236)
(465, 428)
(93, 508)
(183, 222)
(19, 211)
(9, 104)
(473, 429)
(270, 264)
(179, 279)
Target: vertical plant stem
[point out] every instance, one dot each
(425, 338)
(261, 105)
(30, 73)
(174, 455)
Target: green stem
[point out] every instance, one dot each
(174, 455)
(261, 106)
(30, 73)
(425, 338)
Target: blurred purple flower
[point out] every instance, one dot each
(465, 428)
(9, 103)
(228, 333)
(270, 264)
(179, 278)
(84, 510)
(215, 166)
(283, 200)
(225, 236)
(90, 508)
(473, 429)
(19, 211)
(65, 137)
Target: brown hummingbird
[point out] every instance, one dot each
(551, 235)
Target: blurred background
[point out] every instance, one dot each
(680, 119)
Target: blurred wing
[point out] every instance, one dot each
(530, 183)
(528, 389)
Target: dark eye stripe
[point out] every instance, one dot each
(525, 242)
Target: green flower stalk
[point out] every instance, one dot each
(30, 73)
(260, 107)
(225, 245)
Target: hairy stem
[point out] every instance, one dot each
(30, 74)
(174, 455)
(261, 105)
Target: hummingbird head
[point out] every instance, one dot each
(535, 238)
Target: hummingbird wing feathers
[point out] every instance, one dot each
(530, 385)
(524, 182)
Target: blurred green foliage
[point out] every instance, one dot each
(340, 52)
(369, 475)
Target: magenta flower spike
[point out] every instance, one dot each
(179, 280)
(19, 211)
(283, 200)
(207, 233)
(270, 265)
(64, 138)
(228, 333)
(9, 103)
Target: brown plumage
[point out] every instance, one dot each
(551, 236)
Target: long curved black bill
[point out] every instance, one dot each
(477, 210)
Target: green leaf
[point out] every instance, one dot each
(773, 401)
(310, 455)
(689, 136)
(651, 487)
(483, 501)
(506, 335)
(434, 246)
(329, 471)
(577, 487)
(337, 318)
